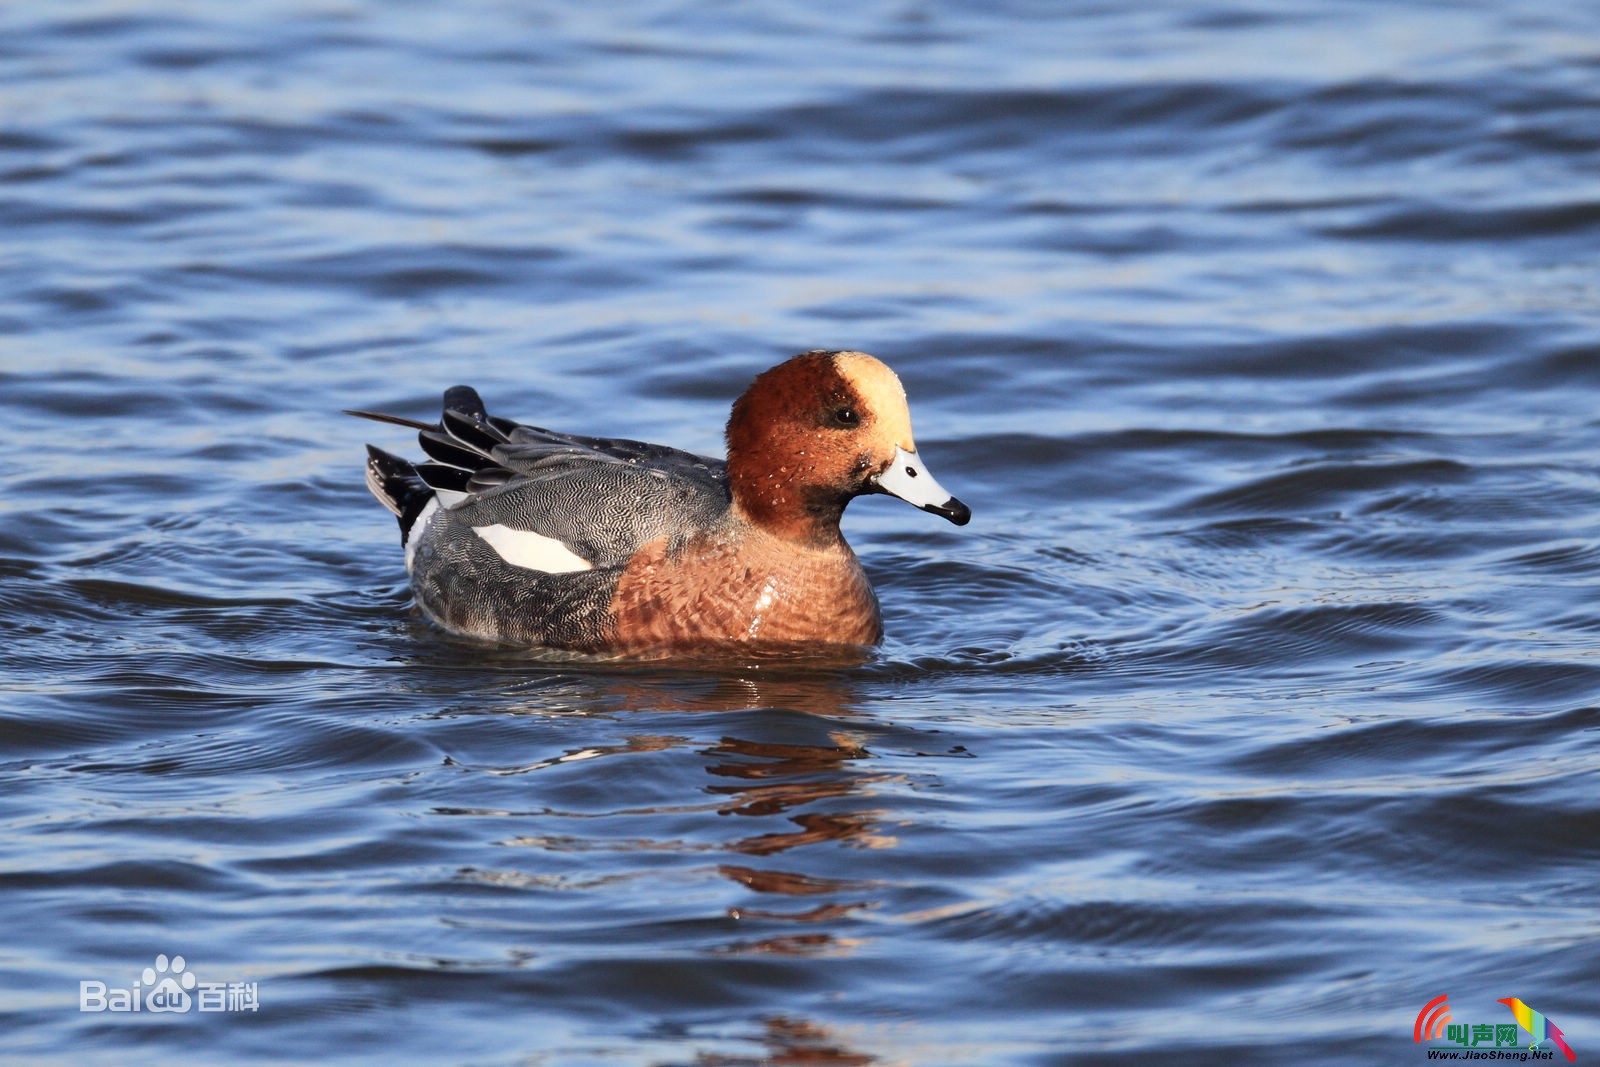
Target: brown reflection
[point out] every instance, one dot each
(823, 773)
(792, 1041)
(814, 693)
(795, 885)
(767, 778)
(809, 782)
(798, 885)
(791, 945)
(816, 828)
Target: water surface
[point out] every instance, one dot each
(1257, 707)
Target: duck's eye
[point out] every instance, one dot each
(844, 417)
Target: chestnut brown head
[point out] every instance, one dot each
(816, 431)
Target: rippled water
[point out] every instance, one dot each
(1256, 708)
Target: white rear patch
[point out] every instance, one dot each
(535, 552)
(429, 512)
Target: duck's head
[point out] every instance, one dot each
(816, 431)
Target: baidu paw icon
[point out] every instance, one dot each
(168, 985)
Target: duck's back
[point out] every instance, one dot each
(603, 497)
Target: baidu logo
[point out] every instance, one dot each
(171, 993)
(169, 986)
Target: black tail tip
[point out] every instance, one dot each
(397, 486)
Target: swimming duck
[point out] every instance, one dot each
(526, 536)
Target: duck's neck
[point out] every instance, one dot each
(783, 516)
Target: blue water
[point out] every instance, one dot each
(1257, 707)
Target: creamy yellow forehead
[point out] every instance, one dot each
(881, 393)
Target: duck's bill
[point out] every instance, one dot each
(908, 479)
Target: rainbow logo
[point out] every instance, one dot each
(1538, 1027)
(1431, 1019)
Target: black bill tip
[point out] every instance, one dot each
(952, 509)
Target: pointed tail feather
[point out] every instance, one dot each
(397, 420)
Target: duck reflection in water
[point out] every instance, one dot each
(791, 1042)
(803, 756)
(639, 776)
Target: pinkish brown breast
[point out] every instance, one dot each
(752, 589)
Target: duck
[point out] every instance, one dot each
(523, 536)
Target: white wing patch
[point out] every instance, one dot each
(535, 552)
